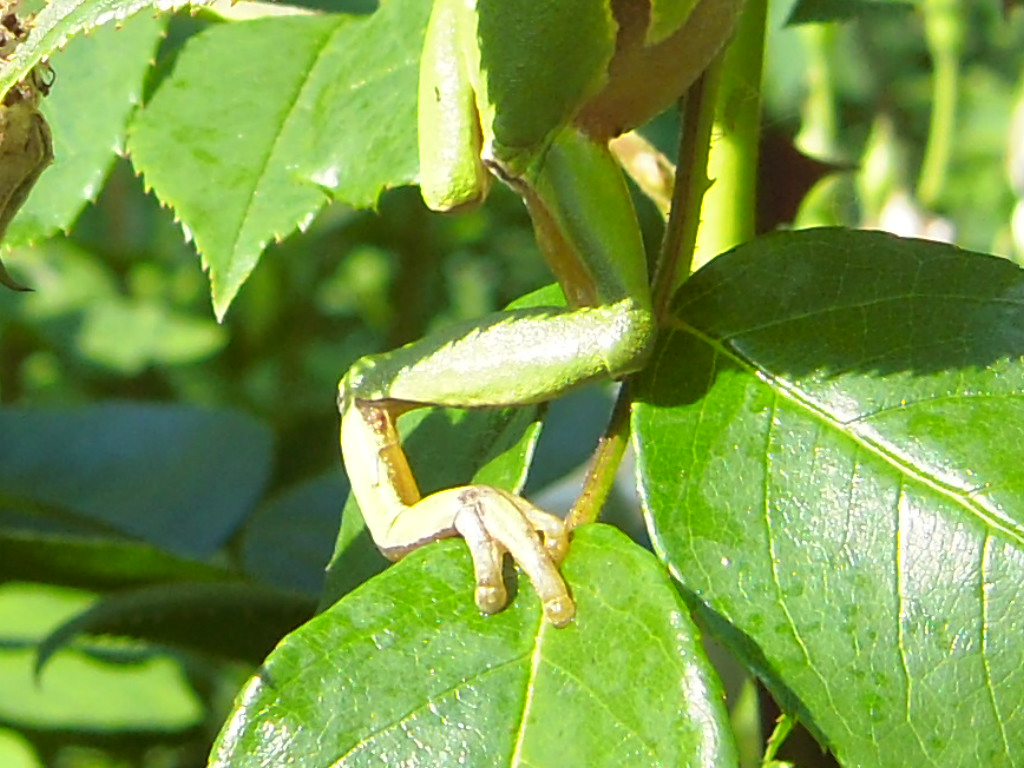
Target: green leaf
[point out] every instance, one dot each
(828, 443)
(128, 336)
(335, 116)
(67, 281)
(97, 689)
(83, 693)
(407, 669)
(287, 541)
(181, 478)
(667, 16)
(361, 105)
(71, 558)
(16, 751)
(227, 620)
(60, 20)
(10, 282)
(815, 11)
(98, 83)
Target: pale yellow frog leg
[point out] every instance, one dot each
(491, 520)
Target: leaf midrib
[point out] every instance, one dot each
(993, 519)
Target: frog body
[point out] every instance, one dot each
(528, 92)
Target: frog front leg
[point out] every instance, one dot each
(517, 357)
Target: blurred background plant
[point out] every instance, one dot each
(906, 117)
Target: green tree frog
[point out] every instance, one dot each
(529, 92)
(26, 148)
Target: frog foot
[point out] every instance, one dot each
(493, 522)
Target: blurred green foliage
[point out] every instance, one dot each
(121, 312)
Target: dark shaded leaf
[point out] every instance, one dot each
(813, 11)
(228, 620)
(177, 477)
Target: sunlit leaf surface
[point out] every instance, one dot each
(835, 472)
(406, 671)
(263, 122)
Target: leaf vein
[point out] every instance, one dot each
(993, 518)
(531, 685)
(986, 551)
(403, 719)
(774, 559)
(272, 150)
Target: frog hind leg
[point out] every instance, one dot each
(511, 358)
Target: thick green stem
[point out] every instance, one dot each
(675, 260)
(676, 257)
(727, 216)
(944, 32)
(604, 465)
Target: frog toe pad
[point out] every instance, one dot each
(494, 521)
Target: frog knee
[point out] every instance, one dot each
(634, 335)
(358, 381)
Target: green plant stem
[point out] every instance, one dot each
(727, 215)
(745, 720)
(783, 727)
(604, 464)
(675, 257)
(944, 32)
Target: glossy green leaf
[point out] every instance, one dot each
(81, 692)
(60, 20)
(287, 541)
(263, 121)
(667, 16)
(181, 478)
(16, 751)
(829, 443)
(406, 670)
(128, 336)
(98, 82)
(573, 427)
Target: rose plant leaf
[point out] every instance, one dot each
(98, 82)
(61, 20)
(92, 688)
(33, 549)
(667, 16)
(228, 620)
(424, 678)
(829, 441)
(176, 477)
(243, 165)
(824, 11)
